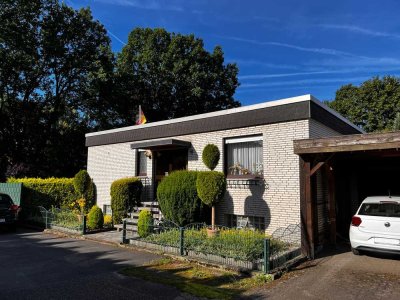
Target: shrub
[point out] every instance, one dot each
(178, 199)
(145, 223)
(211, 156)
(211, 186)
(95, 218)
(47, 192)
(107, 221)
(84, 186)
(125, 194)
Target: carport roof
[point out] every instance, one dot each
(349, 143)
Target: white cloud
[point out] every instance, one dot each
(145, 4)
(356, 29)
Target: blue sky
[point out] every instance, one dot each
(282, 48)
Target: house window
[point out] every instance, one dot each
(236, 221)
(244, 156)
(142, 163)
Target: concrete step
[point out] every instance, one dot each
(152, 209)
(149, 203)
(135, 215)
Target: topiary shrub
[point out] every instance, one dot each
(125, 194)
(95, 218)
(211, 187)
(145, 223)
(178, 199)
(211, 156)
(84, 186)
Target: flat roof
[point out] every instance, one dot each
(282, 110)
(348, 143)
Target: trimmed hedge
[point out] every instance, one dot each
(95, 218)
(211, 156)
(211, 187)
(125, 194)
(47, 192)
(145, 223)
(178, 199)
(84, 186)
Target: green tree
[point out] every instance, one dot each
(373, 105)
(172, 75)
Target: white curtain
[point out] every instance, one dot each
(248, 155)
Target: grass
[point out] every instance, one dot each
(195, 279)
(240, 244)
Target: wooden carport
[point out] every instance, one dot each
(321, 155)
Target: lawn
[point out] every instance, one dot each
(196, 279)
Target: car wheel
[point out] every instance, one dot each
(355, 251)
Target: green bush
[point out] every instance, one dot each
(178, 199)
(145, 223)
(211, 156)
(95, 218)
(47, 192)
(84, 186)
(211, 187)
(125, 194)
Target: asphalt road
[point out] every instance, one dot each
(37, 265)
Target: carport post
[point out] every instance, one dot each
(124, 232)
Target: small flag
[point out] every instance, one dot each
(141, 119)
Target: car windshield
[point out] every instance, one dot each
(380, 210)
(5, 201)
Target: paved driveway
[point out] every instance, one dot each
(36, 265)
(339, 276)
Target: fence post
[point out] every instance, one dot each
(45, 220)
(84, 224)
(266, 255)
(181, 240)
(124, 232)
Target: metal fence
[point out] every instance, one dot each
(242, 248)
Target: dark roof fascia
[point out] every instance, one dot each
(161, 143)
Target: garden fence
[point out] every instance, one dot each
(241, 248)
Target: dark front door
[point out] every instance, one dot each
(167, 161)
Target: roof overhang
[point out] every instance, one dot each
(161, 144)
(348, 143)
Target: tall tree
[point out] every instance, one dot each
(172, 75)
(50, 56)
(373, 105)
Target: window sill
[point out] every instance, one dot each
(250, 177)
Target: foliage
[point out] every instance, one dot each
(211, 187)
(178, 199)
(172, 75)
(125, 194)
(95, 218)
(55, 62)
(211, 156)
(145, 223)
(84, 186)
(240, 244)
(373, 105)
(396, 122)
(48, 192)
(107, 221)
(64, 218)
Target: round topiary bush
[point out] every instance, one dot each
(211, 156)
(177, 198)
(211, 187)
(95, 218)
(84, 186)
(125, 194)
(145, 223)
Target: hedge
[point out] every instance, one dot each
(211, 156)
(47, 192)
(95, 218)
(125, 194)
(145, 223)
(178, 199)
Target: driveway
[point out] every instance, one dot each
(339, 275)
(37, 265)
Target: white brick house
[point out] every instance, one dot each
(257, 137)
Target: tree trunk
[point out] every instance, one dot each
(213, 217)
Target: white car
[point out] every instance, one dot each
(376, 225)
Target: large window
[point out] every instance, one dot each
(141, 163)
(244, 156)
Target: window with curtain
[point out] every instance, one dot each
(244, 156)
(142, 163)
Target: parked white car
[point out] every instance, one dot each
(376, 225)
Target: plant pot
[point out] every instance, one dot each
(212, 232)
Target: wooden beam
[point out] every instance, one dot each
(331, 204)
(306, 209)
(320, 164)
